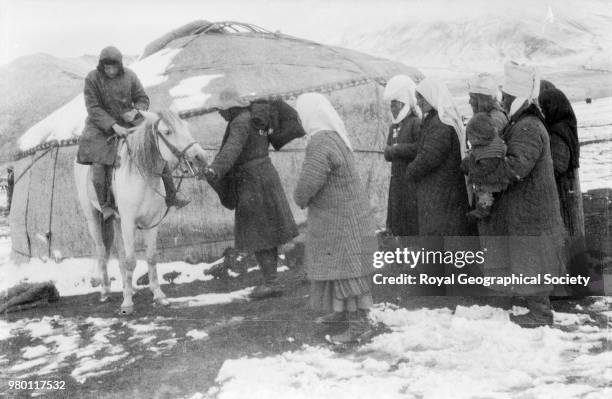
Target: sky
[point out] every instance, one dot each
(70, 28)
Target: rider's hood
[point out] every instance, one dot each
(110, 53)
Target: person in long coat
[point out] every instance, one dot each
(263, 218)
(402, 142)
(527, 213)
(340, 236)
(441, 188)
(113, 96)
(562, 128)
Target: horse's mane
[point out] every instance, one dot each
(142, 142)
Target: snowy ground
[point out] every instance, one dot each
(475, 352)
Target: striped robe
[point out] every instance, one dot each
(340, 238)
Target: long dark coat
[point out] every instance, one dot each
(526, 215)
(441, 192)
(402, 212)
(106, 100)
(340, 238)
(263, 218)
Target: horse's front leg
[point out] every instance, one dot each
(127, 265)
(150, 237)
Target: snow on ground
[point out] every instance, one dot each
(72, 276)
(212, 299)
(88, 347)
(434, 354)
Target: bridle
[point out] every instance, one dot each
(178, 154)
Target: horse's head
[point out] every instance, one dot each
(170, 136)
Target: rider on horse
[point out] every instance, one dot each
(113, 97)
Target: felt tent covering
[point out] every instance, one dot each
(46, 219)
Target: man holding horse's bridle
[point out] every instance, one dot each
(113, 97)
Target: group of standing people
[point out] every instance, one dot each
(508, 168)
(518, 173)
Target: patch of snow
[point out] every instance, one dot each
(90, 367)
(189, 93)
(567, 319)
(197, 334)
(212, 299)
(31, 352)
(153, 70)
(477, 348)
(72, 276)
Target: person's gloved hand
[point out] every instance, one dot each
(129, 116)
(120, 131)
(388, 152)
(209, 173)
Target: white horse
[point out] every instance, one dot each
(139, 196)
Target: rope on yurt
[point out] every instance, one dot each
(50, 234)
(32, 164)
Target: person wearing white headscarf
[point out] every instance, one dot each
(527, 213)
(339, 240)
(441, 191)
(402, 142)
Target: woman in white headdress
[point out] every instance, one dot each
(527, 213)
(339, 241)
(441, 189)
(402, 142)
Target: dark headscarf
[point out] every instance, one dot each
(546, 85)
(561, 121)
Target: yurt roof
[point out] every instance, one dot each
(188, 67)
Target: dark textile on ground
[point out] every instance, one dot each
(28, 295)
(263, 218)
(106, 101)
(402, 211)
(441, 192)
(525, 218)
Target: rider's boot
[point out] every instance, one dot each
(173, 198)
(100, 183)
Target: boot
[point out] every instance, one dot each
(480, 212)
(359, 328)
(540, 313)
(173, 198)
(333, 318)
(100, 184)
(268, 262)
(268, 289)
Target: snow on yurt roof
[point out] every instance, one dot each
(188, 72)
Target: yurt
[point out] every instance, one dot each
(184, 71)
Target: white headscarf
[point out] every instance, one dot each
(401, 88)
(317, 114)
(438, 96)
(483, 83)
(522, 82)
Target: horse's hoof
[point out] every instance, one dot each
(126, 310)
(95, 281)
(162, 302)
